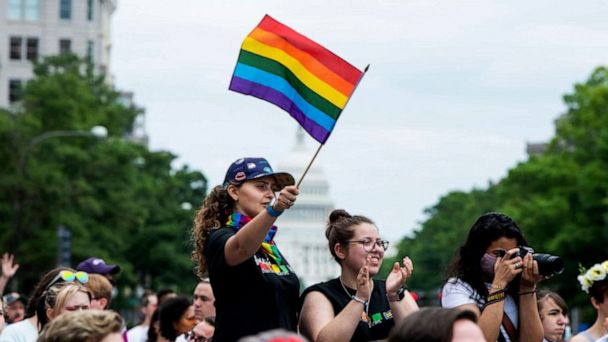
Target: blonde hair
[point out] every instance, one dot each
(78, 326)
(56, 297)
(100, 287)
(213, 214)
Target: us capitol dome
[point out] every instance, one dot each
(301, 233)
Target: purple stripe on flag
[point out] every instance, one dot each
(265, 93)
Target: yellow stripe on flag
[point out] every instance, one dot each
(310, 80)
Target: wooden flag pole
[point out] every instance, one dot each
(321, 145)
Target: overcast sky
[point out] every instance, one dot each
(454, 92)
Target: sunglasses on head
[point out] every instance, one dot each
(69, 276)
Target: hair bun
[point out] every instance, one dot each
(338, 215)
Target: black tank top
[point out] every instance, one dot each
(379, 313)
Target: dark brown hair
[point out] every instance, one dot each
(213, 214)
(429, 325)
(599, 289)
(341, 228)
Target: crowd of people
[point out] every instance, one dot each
(248, 291)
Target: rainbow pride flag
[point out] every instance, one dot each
(281, 66)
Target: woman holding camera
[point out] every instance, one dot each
(494, 278)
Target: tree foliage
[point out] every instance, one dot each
(119, 200)
(558, 198)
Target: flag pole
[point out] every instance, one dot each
(321, 145)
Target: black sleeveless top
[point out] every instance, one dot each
(380, 319)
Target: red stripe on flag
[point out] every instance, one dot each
(341, 67)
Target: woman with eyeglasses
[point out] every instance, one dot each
(354, 306)
(36, 315)
(255, 288)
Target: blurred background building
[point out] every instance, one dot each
(301, 234)
(30, 29)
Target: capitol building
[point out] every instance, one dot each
(301, 232)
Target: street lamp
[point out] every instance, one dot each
(97, 132)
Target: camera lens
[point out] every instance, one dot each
(549, 264)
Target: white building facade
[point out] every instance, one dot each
(30, 29)
(301, 234)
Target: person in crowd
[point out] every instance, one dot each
(61, 298)
(101, 291)
(94, 265)
(154, 330)
(80, 326)
(203, 300)
(594, 281)
(2, 314)
(488, 277)
(354, 306)
(274, 335)
(147, 306)
(27, 329)
(9, 268)
(176, 317)
(15, 307)
(233, 235)
(164, 294)
(203, 331)
(438, 325)
(553, 312)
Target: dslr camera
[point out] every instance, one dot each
(548, 265)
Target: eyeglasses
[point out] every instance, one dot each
(69, 276)
(368, 244)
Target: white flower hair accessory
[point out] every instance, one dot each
(597, 272)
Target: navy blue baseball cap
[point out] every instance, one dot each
(245, 169)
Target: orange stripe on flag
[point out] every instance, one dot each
(321, 54)
(310, 63)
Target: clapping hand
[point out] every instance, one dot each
(399, 275)
(363, 285)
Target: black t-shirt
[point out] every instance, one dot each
(379, 312)
(254, 296)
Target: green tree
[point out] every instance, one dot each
(559, 199)
(119, 200)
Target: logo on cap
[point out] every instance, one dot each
(240, 176)
(251, 166)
